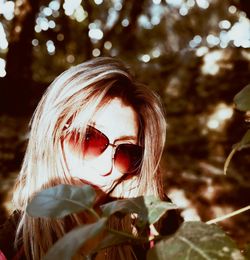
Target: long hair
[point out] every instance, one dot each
(74, 96)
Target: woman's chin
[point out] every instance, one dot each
(105, 187)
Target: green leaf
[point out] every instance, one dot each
(245, 141)
(242, 99)
(148, 208)
(61, 200)
(196, 241)
(247, 251)
(66, 247)
(156, 208)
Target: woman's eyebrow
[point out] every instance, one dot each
(126, 137)
(121, 138)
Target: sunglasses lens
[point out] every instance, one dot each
(95, 143)
(128, 158)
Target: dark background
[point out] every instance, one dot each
(195, 54)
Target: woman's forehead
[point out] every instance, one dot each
(116, 116)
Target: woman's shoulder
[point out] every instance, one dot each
(8, 233)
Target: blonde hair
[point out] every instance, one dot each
(77, 94)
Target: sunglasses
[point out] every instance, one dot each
(127, 157)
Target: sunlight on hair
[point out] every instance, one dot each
(222, 113)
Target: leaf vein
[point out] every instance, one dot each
(195, 248)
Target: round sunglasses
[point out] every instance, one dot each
(127, 157)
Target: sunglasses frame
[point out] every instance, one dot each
(135, 165)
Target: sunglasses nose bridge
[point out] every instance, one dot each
(106, 160)
(113, 151)
(112, 145)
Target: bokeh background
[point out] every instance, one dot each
(194, 53)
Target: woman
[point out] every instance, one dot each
(95, 124)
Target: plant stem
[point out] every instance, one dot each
(234, 150)
(236, 212)
(90, 210)
(93, 212)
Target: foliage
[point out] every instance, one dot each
(242, 103)
(194, 239)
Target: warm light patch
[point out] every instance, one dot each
(2, 68)
(211, 60)
(222, 113)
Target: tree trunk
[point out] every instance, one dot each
(16, 86)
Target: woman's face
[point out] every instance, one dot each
(118, 122)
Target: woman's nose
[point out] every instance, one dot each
(105, 162)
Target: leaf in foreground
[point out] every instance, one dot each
(242, 99)
(66, 247)
(61, 200)
(244, 142)
(148, 208)
(196, 241)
